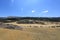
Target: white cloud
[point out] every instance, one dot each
(45, 11)
(33, 11)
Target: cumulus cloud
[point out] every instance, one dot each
(45, 11)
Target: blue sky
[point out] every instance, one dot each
(30, 8)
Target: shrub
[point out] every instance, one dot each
(53, 26)
(57, 26)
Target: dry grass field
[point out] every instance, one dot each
(6, 34)
(30, 32)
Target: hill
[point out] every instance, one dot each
(29, 28)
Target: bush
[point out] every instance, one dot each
(10, 27)
(53, 26)
(57, 26)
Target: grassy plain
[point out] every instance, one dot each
(34, 33)
(30, 34)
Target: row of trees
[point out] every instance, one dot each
(13, 19)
